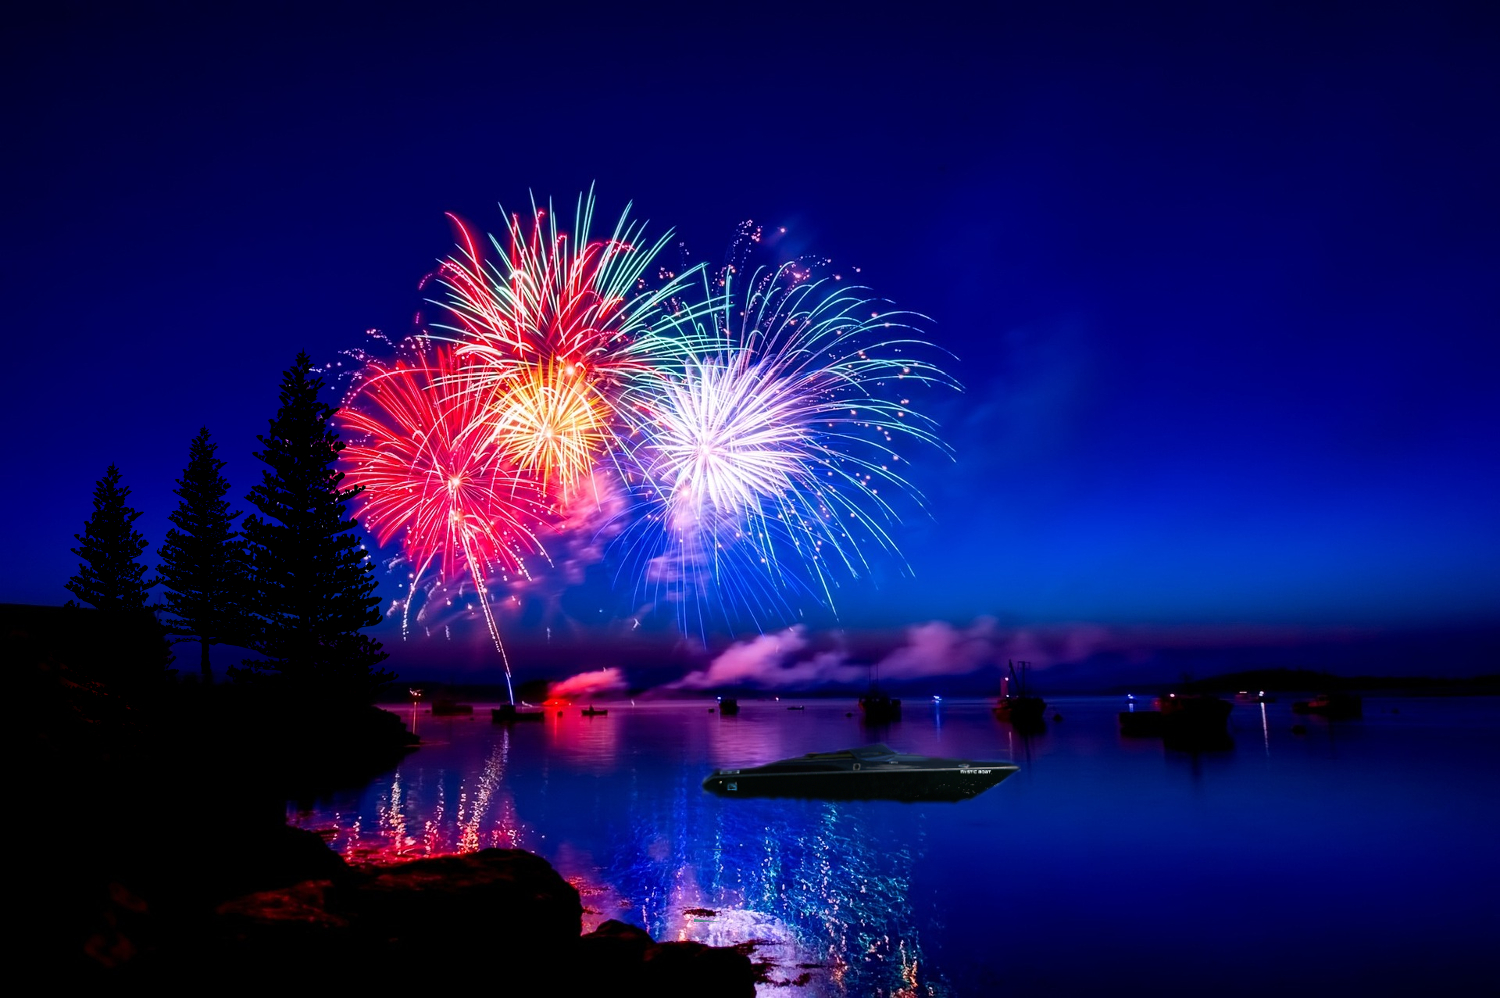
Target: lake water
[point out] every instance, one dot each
(1357, 858)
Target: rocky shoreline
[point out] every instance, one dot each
(162, 857)
(497, 916)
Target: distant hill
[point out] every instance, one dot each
(1388, 660)
(1307, 680)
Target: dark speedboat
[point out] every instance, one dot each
(593, 712)
(729, 706)
(871, 772)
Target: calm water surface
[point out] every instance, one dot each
(1357, 858)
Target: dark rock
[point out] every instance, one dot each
(615, 952)
(614, 932)
(627, 958)
(303, 905)
(270, 934)
(506, 902)
(693, 970)
(272, 858)
(498, 916)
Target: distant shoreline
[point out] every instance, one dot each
(1280, 682)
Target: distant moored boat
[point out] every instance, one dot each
(1188, 719)
(1019, 709)
(1339, 705)
(507, 713)
(878, 708)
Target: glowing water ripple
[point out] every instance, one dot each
(1017, 891)
(818, 883)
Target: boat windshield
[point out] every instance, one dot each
(863, 752)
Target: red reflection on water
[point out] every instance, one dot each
(484, 816)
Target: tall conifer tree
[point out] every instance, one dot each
(313, 584)
(110, 577)
(203, 561)
(133, 650)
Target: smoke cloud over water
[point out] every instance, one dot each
(940, 649)
(600, 681)
(788, 659)
(793, 659)
(766, 660)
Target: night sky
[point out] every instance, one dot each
(1222, 281)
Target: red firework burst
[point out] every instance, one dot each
(421, 451)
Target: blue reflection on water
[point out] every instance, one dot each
(1343, 858)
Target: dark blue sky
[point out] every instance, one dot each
(1223, 280)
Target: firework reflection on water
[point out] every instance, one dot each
(820, 888)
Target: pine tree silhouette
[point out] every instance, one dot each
(129, 647)
(203, 560)
(313, 585)
(109, 576)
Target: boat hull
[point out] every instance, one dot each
(871, 772)
(946, 785)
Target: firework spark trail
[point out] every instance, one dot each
(561, 324)
(759, 466)
(428, 470)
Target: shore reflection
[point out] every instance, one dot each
(459, 815)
